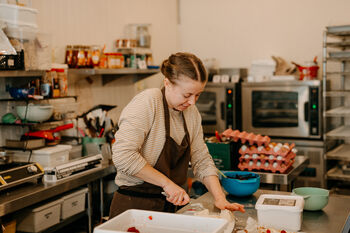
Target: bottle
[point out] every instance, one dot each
(55, 84)
(63, 83)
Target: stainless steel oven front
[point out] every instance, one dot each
(219, 106)
(282, 109)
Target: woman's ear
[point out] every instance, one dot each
(166, 82)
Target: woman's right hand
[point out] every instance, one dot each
(175, 194)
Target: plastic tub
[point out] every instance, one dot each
(237, 185)
(46, 157)
(155, 222)
(315, 198)
(282, 212)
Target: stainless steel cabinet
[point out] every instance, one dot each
(336, 104)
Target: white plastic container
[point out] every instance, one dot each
(73, 203)
(18, 14)
(46, 157)
(40, 218)
(155, 222)
(21, 30)
(282, 212)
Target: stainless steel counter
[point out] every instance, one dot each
(29, 194)
(299, 165)
(331, 219)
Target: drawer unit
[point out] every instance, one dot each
(73, 203)
(40, 218)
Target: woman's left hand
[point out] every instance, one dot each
(224, 204)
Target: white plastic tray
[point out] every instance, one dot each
(156, 222)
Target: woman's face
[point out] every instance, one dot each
(183, 93)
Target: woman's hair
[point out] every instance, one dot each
(186, 64)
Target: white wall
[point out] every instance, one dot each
(238, 31)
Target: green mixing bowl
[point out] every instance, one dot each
(315, 198)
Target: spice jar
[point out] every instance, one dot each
(69, 56)
(74, 63)
(63, 83)
(103, 61)
(95, 55)
(115, 60)
(81, 57)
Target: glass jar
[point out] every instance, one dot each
(95, 55)
(69, 55)
(81, 57)
(115, 60)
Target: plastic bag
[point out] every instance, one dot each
(5, 46)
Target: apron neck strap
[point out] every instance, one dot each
(166, 114)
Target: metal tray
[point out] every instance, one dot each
(342, 28)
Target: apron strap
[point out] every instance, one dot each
(166, 114)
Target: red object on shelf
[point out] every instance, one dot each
(48, 134)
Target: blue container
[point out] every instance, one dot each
(241, 183)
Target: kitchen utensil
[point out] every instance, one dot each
(315, 198)
(241, 184)
(49, 134)
(34, 113)
(222, 173)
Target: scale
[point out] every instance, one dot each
(13, 174)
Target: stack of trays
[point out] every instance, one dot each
(251, 138)
(261, 154)
(274, 157)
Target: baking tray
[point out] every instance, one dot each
(339, 54)
(340, 28)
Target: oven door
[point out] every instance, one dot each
(215, 105)
(276, 111)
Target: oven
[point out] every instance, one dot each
(219, 106)
(282, 109)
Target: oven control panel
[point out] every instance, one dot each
(314, 111)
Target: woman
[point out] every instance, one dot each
(159, 134)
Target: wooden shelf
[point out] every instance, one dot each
(337, 93)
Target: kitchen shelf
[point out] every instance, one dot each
(31, 99)
(341, 152)
(339, 44)
(22, 73)
(342, 132)
(337, 174)
(43, 124)
(109, 75)
(337, 93)
(338, 112)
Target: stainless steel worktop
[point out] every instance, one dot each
(299, 165)
(29, 194)
(331, 219)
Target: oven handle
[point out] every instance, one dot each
(306, 111)
(222, 110)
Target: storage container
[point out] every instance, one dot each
(282, 212)
(21, 31)
(18, 14)
(155, 222)
(40, 218)
(46, 157)
(221, 153)
(73, 203)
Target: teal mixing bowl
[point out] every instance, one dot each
(240, 183)
(315, 198)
